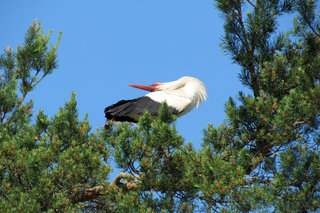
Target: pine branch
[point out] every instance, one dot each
(243, 29)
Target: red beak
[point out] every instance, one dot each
(150, 88)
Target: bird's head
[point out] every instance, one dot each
(152, 88)
(173, 85)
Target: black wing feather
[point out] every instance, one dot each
(130, 110)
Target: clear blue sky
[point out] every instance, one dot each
(109, 44)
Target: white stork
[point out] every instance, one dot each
(181, 95)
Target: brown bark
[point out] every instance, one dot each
(90, 193)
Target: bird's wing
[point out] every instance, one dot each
(131, 110)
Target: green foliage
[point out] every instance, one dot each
(44, 163)
(248, 36)
(267, 152)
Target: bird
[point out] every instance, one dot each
(181, 96)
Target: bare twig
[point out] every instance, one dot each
(250, 2)
(35, 84)
(298, 123)
(239, 14)
(312, 28)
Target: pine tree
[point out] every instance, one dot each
(264, 157)
(44, 164)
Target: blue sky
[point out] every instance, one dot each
(109, 44)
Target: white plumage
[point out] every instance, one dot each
(181, 95)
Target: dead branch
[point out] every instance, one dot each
(296, 123)
(130, 183)
(90, 193)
